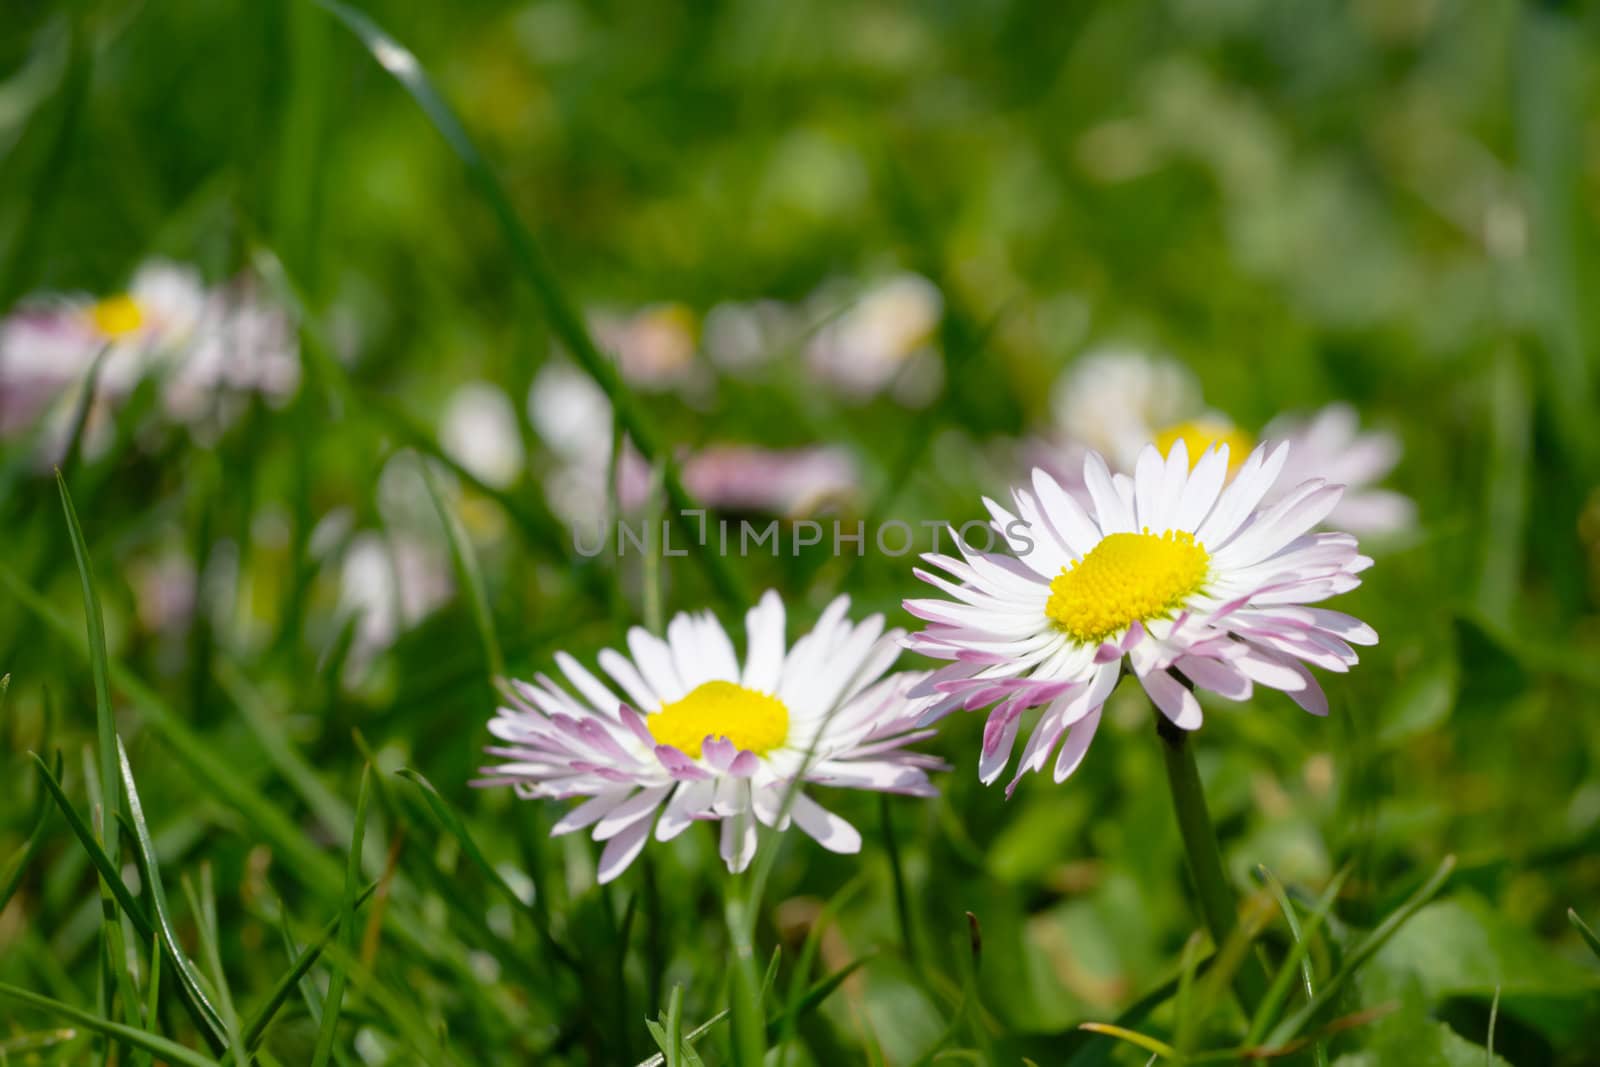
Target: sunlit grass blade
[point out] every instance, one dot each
(347, 936)
(1584, 929)
(470, 577)
(92, 847)
(150, 871)
(668, 1034)
(170, 1051)
(1494, 1017)
(203, 908)
(1298, 958)
(1362, 952)
(1133, 1037)
(564, 320)
(105, 727)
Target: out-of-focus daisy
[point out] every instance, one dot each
(883, 341)
(1190, 579)
(694, 735)
(573, 417)
(785, 482)
(654, 347)
(479, 431)
(1116, 401)
(207, 347)
(1331, 444)
(52, 341)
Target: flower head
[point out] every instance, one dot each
(696, 736)
(1186, 576)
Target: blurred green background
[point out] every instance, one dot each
(1393, 203)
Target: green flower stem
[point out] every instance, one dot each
(1218, 905)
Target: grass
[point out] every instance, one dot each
(1385, 205)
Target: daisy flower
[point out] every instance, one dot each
(693, 735)
(209, 349)
(479, 431)
(1189, 579)
(1116, 401)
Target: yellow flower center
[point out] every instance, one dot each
(757, 722)
(1126, 578)
(1200, 434)
(116, 316)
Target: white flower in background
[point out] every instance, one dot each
(883, 341)
(569, 412)
(1331, 444)
(207, 348)
(573, 417)
(1116, 401)
(1190, 579)
(694, 735)
(785, 482)
(52, 341)
(389, 583)
(479, 431)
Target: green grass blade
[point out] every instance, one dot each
(153, 987)
(209, 767)
(1362, 952)
(1298, 957)
(448, 819)
(105, 727)
(470, 577)
(150, 870)
(1133, 1037)
(1583, 928)
(352, 880)
(564, 320)
(92, 847)
(170, 1051)
(300, 966)
(203, 906)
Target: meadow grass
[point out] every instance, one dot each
(243, 830)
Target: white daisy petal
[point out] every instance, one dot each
(829, 831)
